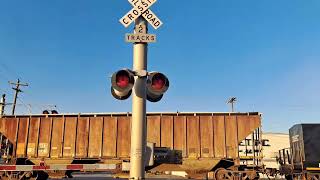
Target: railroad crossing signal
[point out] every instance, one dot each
(138, 82)
(123, 81)
(141, 7)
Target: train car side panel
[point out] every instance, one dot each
(193, 136)
(110, 137)
(206, 133)
(95, 137)
(153, 129)
(57, 137)
(124, 137)
(167, 131)
(244, 126)
(44, 137)
(82, 137)
(69, 144)
(231, 137)
(33, 137)
(180, 131)
(219, 136)
(22, 137)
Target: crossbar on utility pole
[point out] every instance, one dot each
(138, 125)
(17, 91)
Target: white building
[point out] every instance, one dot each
(277, 141)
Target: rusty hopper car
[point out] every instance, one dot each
(195, 142)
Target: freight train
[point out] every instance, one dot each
(302, 159)
(39, 146)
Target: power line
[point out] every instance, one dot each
(9, 70)
(39, 106)
(27, 106)
(5, 77)
(5, 91)
(3, 73)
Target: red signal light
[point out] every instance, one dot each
(121, 84)
(158, 82)
(157, 85)
(122, 79)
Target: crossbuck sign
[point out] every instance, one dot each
(141, 7)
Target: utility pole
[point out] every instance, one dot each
(2, 105)
(232, 101)
(17, 91)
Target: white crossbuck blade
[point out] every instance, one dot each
(141, 7)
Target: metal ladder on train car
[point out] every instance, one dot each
(251, 150)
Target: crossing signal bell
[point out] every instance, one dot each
(157, 85)
(123, 82)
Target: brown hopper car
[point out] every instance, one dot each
(201, 140)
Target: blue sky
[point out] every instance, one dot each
(266, 53)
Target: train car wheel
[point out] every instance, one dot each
(223, 174)
(251, 175)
